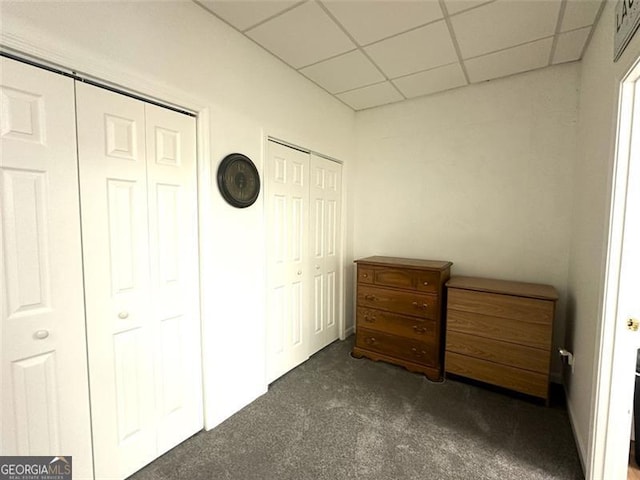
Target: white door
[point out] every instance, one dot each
(324, 205)
(173, 247)
(113, 187)
(613, 408)
(138, 194)
(45, 397)
(287, 205)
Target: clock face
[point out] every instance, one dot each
(238, 180)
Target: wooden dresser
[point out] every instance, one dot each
(499, 332)
(400, 312)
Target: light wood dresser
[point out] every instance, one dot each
(400, 312)
(499, 332)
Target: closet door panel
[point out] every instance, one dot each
(120, 328)
(288, 282)
(173, 247)
(325, 196)
(44, 387)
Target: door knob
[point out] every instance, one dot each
(41, 334)
(632, 324)
(122, 315)
(299, 272)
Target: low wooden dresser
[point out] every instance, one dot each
(499, 332)
(400, 312)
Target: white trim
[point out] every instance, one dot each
(349, 331)
(600, 459)
(576, 435)
(205, 235)
(342, 320)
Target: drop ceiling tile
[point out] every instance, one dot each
(302, 36)
(570, 45)
(579, 13)
(368, 21)
(426, 47)
(507, 62)
(431, 81)
(503, 24)
(346, 72)
(455, 6)
(372, 96)
(248, 13)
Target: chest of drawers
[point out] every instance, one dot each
(399, 312)
(499, 332)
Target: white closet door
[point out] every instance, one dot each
(287, 198)
(120, 327)
(325, 185)
(45, 398)
(173, 247)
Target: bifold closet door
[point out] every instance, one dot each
(324, 206)
(138, 197)
(287, 197)
(44, 388)
(303, 202)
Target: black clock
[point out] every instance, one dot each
(238, 180)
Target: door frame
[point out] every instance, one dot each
(267, 137)
(127, 81)
(613, 389)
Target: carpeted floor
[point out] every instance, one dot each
(335, 417)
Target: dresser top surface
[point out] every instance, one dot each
(489, 285)
(405, 262)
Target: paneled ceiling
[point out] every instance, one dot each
(373, 52)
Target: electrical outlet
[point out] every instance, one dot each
(566, 354)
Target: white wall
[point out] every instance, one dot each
(178, 48)
(480, 176)
(599, 85)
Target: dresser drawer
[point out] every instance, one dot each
(504, 306)
(365, 274)
(402, 302)
(519, 356)
(381, 321)
(408, 279)
(524, 381)
(420, 352)
(537, 335)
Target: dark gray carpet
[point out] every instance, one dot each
(335, 417)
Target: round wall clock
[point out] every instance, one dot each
(238, 180)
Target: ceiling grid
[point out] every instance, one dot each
(372, 52)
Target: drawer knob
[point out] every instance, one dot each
(364, 275)
(370, 341)
(419, 330)
(421, 306)
(370, 297)
(426, 283)
(418, 353)
(369, 319)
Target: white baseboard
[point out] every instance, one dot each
(582, 451)
(349, 331)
